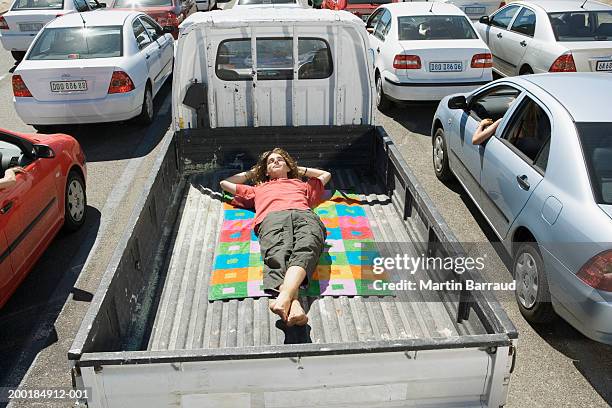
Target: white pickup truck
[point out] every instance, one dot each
(300, 79)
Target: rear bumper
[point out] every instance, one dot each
(427, 91)
(16, 41)
(112, 108)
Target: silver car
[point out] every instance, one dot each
(543, 181)
(527, 37)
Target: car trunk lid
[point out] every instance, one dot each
(451, 62)
(30, 21)
(56, 81)
(587, 54)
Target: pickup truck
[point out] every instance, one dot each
(151, 337)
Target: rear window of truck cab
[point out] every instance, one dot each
(274, 59)
(38, 5)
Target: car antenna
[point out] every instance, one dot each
(431, 8)
(582, 5)
(82, 19)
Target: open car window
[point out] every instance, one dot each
(493, 103)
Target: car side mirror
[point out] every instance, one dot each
(485, 20)
(101, 5)
(457, 102)
(170, 29)
(370, 30)
(43, 152)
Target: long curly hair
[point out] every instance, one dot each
(258, 174)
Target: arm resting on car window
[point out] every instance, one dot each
(485, 130)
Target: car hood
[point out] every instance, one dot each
(607, 209)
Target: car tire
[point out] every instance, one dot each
(532, 293)
(44, 129)
(18, 55)
(75, 203)
(382, 102)
(440, 157)
(147, 114)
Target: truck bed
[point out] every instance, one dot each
(185, 319)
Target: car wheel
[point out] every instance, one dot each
(147, 113)
(18, 55)
(532, 294)
(440, 157)
(382, 102)
(45, 129)
(75, 202)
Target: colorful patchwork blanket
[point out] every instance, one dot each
(344, 268)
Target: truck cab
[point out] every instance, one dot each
(312, 69)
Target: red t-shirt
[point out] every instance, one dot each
(279, 194)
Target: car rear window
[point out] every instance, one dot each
(274, 59)
(254, 2)
(142, 3)
(596, 140)
(582, 25)
(435, 28)
(368, 1)
(77, 43)
(38, 5)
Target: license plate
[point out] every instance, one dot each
(474, 10)
(68, 86)
(445, 67)
(30, 26)
(604, 66)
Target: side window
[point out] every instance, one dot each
(503, 17)
(529, 133)
(525, 22)
(374, 18)
(493, 103)
(383, 25)
(142, 38)
(274, 59)
(81, 6)
(153, 29)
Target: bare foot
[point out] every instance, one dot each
(281, 305)
(297, 316)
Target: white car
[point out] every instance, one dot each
(529, 37)
(93, 67)
(26, 18)
(424, 51)
(242, 4)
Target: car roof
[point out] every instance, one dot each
(93, 18)
(586, 96)
(419, 8)
(555, 6)
(244, 15)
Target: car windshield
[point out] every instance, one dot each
(435, 28)
(38, 5)
(582, 25)
(77, 43)
(596, 140)
(142, 3)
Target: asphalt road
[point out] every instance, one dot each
(556, 367)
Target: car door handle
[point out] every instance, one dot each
(148, 56)
(7, 207)
(523, 43)
(378, 50)
(523, 182)
(499, 35)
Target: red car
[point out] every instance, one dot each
(361, 8)
(48, 195)
(167, 13)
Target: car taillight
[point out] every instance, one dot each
(120, 83)
(597, 272)
(402, 61)
(482, 60)
(169, 19)
(3, 24)
(19, 87)
(565, 63)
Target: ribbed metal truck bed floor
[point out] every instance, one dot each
(185, 319)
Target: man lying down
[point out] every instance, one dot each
(291, 235)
